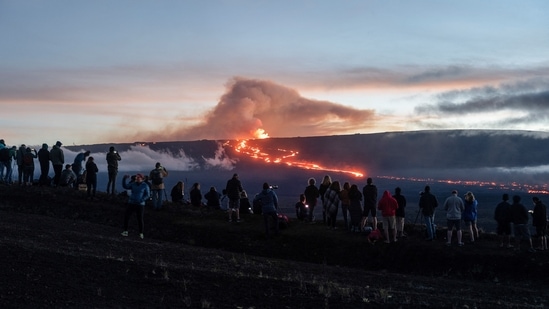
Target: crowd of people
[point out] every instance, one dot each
(359, 207)
(360, 213)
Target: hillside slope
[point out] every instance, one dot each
(59, 250)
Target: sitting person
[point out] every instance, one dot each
(177, 193)
(196, 195)
(213, 198)
(245, 206)
(301, 208)
(68, 177)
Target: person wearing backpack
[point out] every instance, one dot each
(156, 177)
(28, 166)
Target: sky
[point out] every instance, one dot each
(116, 71)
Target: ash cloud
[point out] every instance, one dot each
(251, 107)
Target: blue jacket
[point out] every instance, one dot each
(140, 192)
(470, 212)
(268, 199)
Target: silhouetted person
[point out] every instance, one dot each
(213, 198)
(77, 164)
(519, 218)
(400, 212)
(112, 167)
(539, 221)
(311, 197)
(28, 166)
(503, 219)
(301, 209)
(355, 207)
(177, 193)
(91, 177)
(428, 203)
(324, 186)
(57, 158)
(195, 195)
(234, 187)
(369, 194)
(469, 215)
(44, 160)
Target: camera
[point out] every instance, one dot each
(273, 187)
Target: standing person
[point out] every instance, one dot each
(311, 197)
(245, 206)
(57, 158)
(519, 218)
(388, 206)
(355, 207)
(13, 158)
(503, 219)
(20, 166)
(28, 166)
(427, 204)
(234, 188)
(4, 155)
(400, 212)
(112, 167)
(539, 221)
(333, 202)
(177, 193)
(470, 215)
(91, 177)
(140, 192)
(196, 195)
(301, 209)
(269, 206)
(345, 202)
(77, 164)
(44, 160)
(454, 210)
(213, 198)
(326, 183)
(5, 163)
(369, 192)
(157, 184)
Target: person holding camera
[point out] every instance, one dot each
(140, 192)
(112, 166)
(156, 177)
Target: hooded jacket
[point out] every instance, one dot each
(387, 204)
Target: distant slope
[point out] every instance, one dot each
(388, 151)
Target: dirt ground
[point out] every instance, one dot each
(59, 250)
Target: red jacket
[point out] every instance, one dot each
(387, 204)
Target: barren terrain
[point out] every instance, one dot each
(60, 250)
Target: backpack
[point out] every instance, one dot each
(28, 159)
(156, 177)
(4, 154)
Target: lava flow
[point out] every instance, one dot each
(288, 157)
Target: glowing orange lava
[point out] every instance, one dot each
(288, 157)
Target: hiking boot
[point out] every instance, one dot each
(125, 233)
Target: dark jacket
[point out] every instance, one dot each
(427, 203)
(311, 195)
(518, 213)
(501, 213)
(234, 188)
(539, 217)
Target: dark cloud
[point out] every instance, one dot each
(527, 102)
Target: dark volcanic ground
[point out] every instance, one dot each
(59, 250)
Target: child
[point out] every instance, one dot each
(301, 208)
